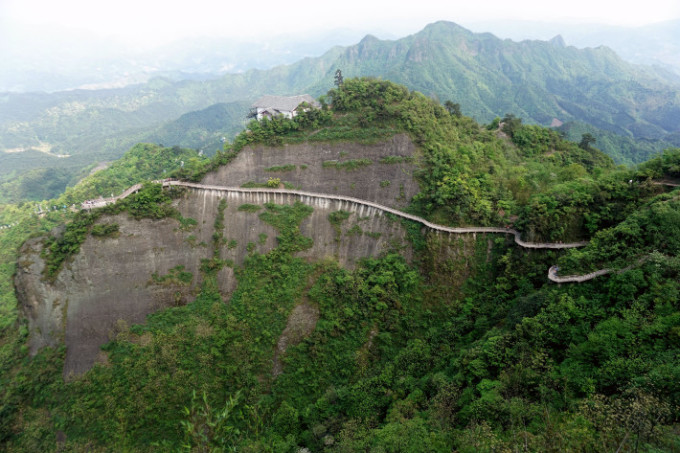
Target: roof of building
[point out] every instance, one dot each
(284, 103)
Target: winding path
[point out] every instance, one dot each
(101, 202)
(666, 183)
(553, 277)
(370, 204)
(552, 273)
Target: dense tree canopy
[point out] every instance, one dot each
(467, 348)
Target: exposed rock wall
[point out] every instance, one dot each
(110, 283)
(111, 280)
(389, 184)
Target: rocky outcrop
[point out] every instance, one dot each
(118, 281)
(110, 280)
(149, 265)
(309, 166)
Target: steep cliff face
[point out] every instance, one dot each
(109, 281)
(117, 281)
(384, 175)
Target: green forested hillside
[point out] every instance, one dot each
(35, 176)
(624, 149)
(488, 77)
(404, 357)
(205, 129)
(535, 80)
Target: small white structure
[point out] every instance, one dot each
(280, 105)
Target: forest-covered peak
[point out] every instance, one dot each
(503, 173)
(393, 360)
(444, 28)
(368, 39)
(536, 80)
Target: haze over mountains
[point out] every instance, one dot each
(654, 44)
(56, 59)
(539, 81)
(76, 60)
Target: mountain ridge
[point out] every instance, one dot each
(437, 344)
(535, 80)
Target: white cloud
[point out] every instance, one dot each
(151, 22)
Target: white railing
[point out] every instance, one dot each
(552, 272)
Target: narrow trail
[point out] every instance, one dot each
(667, 183)
(553, 277)
(370, 204)
(101, 202)
(552, 272)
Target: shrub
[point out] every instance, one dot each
(247, 207)
(104, 230)
(281, 168)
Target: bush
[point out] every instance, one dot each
(105, 229)
(247, 207)
(150, 202)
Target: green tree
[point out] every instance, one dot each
(510, 124)
(209, 429)
(587, 139)
(338, 78)
(453, 108)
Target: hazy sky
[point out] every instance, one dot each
(146, 23)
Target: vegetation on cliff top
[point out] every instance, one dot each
(550, 188)
(142, 162)
(507, 173)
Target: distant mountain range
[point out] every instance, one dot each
(67, 60)
(57, 59)
(539, 81)
(654, 44)
(535, 80)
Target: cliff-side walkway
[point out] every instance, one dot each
(552, 272)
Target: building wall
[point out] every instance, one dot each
(261, 113)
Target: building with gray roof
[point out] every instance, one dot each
(280, 105)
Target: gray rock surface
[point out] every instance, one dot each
(109, 283)
(364, 182)
(109, 280)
